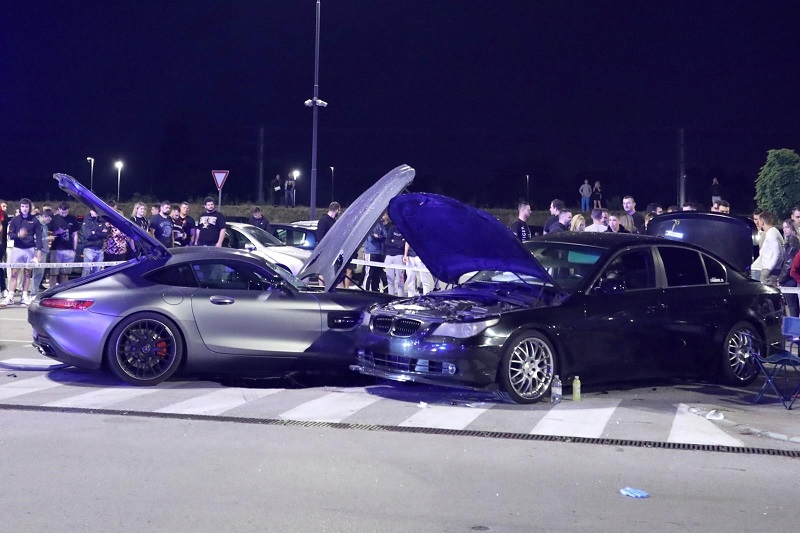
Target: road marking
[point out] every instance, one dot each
(25, 386)
(693, 429)
(16, 341)
(218, 401)
(15, 319)
(577, 419)
(443, 416)
(37, 363)
(333, 407)
(108, 396)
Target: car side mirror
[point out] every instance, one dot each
(611, 286)
(250, 247)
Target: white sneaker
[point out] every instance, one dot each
(8, 300)
(26, 299)
(5, 293)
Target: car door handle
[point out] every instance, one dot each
(221, 300)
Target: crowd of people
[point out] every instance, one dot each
(42, 236)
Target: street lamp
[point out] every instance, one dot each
(332, 198)
(91, 173)
(296, 176)
(315, 103)
(118, 164)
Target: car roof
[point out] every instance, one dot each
(605, 239)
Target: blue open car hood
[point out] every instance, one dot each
(330, 257)
(452, 238)
(145, 243)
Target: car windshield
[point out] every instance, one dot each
(264, 238)
(567, 264)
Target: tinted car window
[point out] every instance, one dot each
(682, 266)
(715, 270)
(176, 276)
(567, 264)
(634, 268)
(235, 276)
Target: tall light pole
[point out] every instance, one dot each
(91, 173)
(332, 182)
(295, 176)
(118, 164)
(315, 103)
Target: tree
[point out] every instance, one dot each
(778, 182)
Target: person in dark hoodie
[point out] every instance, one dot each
(24, 230)
(95, 232)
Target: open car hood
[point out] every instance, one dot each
(730, 238)
(452, 238)
(145, 243)
(331, 255)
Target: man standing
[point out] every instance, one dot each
(771, 253)
(326, 222)
(27, 237)
(394, 248)
(564, 219)
(289, 190)
(555, 208)
(65, 243)
(211, 226)
(38, 273)
(597, 225)
(3, 244)
(275, 190)
(95, 232)
(586, 194)
(520, 226)
(259, 220)
(373, 251)
(629, 206)
(186, 224)
(161, 225)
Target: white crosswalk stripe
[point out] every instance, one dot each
(333, 407)
(26, 386)
(443, 416)
(98, 399)
(218, 401)
(693, 429)
(577, 419)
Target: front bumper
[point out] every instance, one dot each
(469, 363)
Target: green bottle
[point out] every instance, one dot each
(576, 389)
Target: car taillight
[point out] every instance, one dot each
(60, 303)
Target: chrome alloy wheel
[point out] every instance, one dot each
(146, 350)
(530, 367)
(741, 351)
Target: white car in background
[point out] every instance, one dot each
(254, 239)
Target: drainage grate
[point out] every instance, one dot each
(428, 431)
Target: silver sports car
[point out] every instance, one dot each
(205, 310)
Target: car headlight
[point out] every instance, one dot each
(463, 330)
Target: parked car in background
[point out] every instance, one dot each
(208, 310)
(605, 306)
(254, 239)
(298, 234)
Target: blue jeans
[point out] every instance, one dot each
(585, 203)
(91, 255)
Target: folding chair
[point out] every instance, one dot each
(778, 364)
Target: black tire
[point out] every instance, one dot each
(527, 368)
(738, 366)
(145, 349)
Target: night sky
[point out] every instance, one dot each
(473, 94)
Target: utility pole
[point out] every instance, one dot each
(260, 187)
(315, 103)
(681, 168)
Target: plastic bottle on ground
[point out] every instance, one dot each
(576, 389)
(555, 390)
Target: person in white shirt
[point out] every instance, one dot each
(597, 225)
(771, 253)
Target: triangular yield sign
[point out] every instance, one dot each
(219, 177)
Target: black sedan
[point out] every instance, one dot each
(607, 307)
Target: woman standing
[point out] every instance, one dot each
(138, 216)
(787, 276)
(597, 196)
